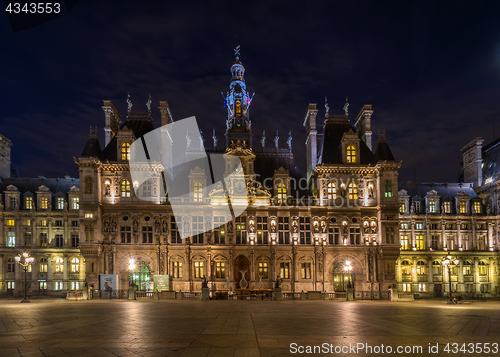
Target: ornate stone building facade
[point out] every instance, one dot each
(301, 228)
(41, 217)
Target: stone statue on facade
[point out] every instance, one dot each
(129, 103)
(251, 226)
(276, 140)
(263, 140)
(188, 140)
(157, 226)
(136, 226)
(289, 141)
(323, 226)
(215, 139)
(204, 282)
(295, 226)
(165, 226)
(278, 282)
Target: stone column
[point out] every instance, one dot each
(460, 283)
(114, 260)
(474, 236)
(252, 266)
(412, 235)
(476, 275)
(49, 273)
(459, 234)
(367, 266)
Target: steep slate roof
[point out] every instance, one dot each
(55, 185)
(92, 148)
(491, 159)
(383, 152)
(330, 149)
(443, 189)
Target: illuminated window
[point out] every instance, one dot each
(422, 288)
(10, 222)
(43, 239)
(436, 268)
(89, 215)
(405, 268)
(125, 188)
(419, 226)
(27, 239)
(305, 271)
(125, 151)
(482, 268)
(402, 207)
(59, 265)
(462, 207)
(197, 192)
(407, 287)
(263, 270)
(88, 185)
(75, 203)
(477, 207)
(220, 270)
(282, 192)
(285, 270)
(198, 229)
(26, 222)
(238, 107)
(432, 206)
(262, 231)
(388, 189)
(42, 285)
(332, 190)
(420, 267)
(58, 285)
(219, 233)
(28, 203)
(177, 270)
(198, 270)
(405, 242)
(60, 202)
(75, 285)
(11, 265)
(11, 285)
(351, 154)
(420, 242)
(75, 265)
(43, 265)
(353, 191)
(404, 225)
(44, 203)
(435, 241)
(466, 270)
(447, 207)
(11, 239)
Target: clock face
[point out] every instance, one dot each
(239, 188)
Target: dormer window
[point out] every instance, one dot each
(28, 203)
(447, 207)
(351, 154)
(282, 192)
(60, 202)
(197, 192)
(402, 207)
(332, 190)
(125, 151)
(462, 207)
(12, 203)
(388, 189)
(477, 207)
(432, 207)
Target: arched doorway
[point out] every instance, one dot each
(241, 264)
(344, 278)
(141, 276)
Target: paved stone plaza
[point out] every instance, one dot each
(237, 328)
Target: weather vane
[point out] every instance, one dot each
(237, 51)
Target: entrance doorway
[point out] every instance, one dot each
(141, 276)
(241, 265)
(437, 290)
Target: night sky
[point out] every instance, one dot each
(431, 70)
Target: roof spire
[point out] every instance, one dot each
(327, 107)
(148, 103)
(289, 141)
(263, 140)
(215, 139)
(237, 52)
(346, 106)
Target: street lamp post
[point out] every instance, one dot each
(449, 263)
(131, 288)
(348, 271)
(25, 261)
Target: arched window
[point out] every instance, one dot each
(75, 265)
(331, 190)
(125, 188)
(282, 192)
(420, 267)
(43, 265)
(88, 185)
(125, 151)
(59, 265)
(482, 268)
(351, 154)
(388, 189)
(353, 191)
(11, 266)
(197, 192)
(466, 270)
(405, 268)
